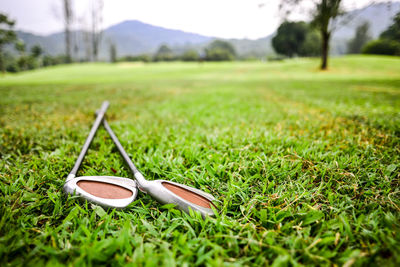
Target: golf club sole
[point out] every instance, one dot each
(107, 191)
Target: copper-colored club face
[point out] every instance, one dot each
(104, 190)
(188, 195)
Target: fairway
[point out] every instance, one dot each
(304, 164)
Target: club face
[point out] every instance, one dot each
(184, 197)
(107, 191)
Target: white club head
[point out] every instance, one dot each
(107, 191)
(184, 197)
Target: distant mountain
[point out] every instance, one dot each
(134, 37)
(130, 37)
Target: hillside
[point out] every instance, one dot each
(130, 37)
(147, 38)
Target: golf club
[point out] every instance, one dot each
(166, 192)
(108, 191)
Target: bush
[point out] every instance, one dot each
(48, 61)
(12, 67)
(382, 47)
(219, 55)
(142, 58)
(190, 55)
(54, 60)
(22, 63)
(220, 51)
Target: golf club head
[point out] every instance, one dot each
(107, 191)
(182, 196)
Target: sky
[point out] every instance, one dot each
(218, 18)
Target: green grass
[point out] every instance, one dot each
(304, 164)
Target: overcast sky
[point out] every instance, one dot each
(218, 18)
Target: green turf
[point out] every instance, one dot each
(304, 164)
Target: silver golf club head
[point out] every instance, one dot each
(166, 192)
(107, 191)
(183, 196)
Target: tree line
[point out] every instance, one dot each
(217, 50)
(36, 57)
(25, 59)
(302, 40)
(91, 29)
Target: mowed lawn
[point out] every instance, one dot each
(304, 164)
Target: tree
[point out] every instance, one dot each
(22, 60)
(297, 38)
(289, 38)
(113, 53)
(36, 51)
(164, 53)
(7, 36)
(323, 15)
(325, 12)
(311, 46)
(219, 50)
(20, 47)
(96, 28)
(361, 37)
(27, 62)
(68, 18)
(85, 36)
(393, 32)
(219, 44)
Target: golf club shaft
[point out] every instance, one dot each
(99, 118)
(139, 177)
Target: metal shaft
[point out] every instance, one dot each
(99, 118)
(123, 153)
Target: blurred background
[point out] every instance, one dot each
(275, 107)
(49, 32)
